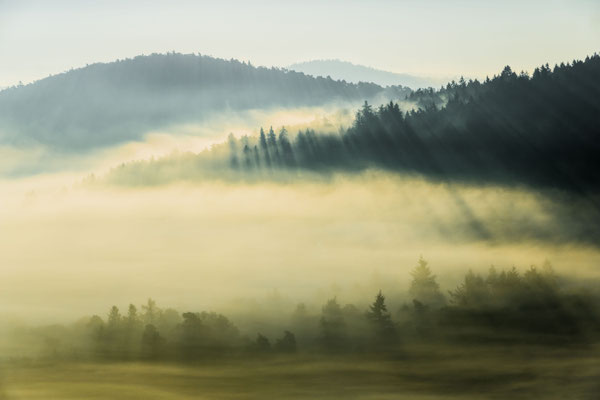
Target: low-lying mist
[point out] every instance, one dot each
(69, 250)
(375, 243)
(22, 161)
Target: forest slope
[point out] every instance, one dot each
(108, 103)
(540, 131)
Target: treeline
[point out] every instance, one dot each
(541, 130)
(108, 103)
(506, 306)
(514, 129)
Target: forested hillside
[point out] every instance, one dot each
(541, 131)
(108, 103)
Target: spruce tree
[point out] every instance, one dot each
(424, 287)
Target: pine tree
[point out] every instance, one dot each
(333, 326)
(264, 147)
(381, 320)
(378, 310)
(151, 312)
(286, 148)
(152, 342)
(132, 315)
(247, 157)
(424, 287)
(233, 156)
(273, 149)
(114, 317)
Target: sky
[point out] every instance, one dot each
(430, 38)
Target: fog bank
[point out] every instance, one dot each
(70, 250)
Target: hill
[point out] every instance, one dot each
(541, 131)
(108, 103)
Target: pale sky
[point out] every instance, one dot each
(428, 38)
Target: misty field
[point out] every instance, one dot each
(435, 372)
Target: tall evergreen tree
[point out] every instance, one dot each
(287, 153)
(273, 148)
(381, 320)
(424, 287)
(264, 147)
(152, 342)
(151, 312)
(333, 326)
(233, 152)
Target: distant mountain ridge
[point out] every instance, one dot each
(108, 103)
(344, 70)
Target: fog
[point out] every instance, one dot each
(352, 243)
(71, 250)
(74, 243)
(18, 162)
(255, 251)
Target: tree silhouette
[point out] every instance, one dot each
(248, 158)
(152, 342)
(287, 153)
(191, 336)
(424, 287)
(381, 320)
(287, 344)
(264, 148)
(114, 318)
(132, 318)
(262, 344)
(273, 148)
(333, 326)
(472, 292)
(233, 152)
(151, 312)
(132, 331)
